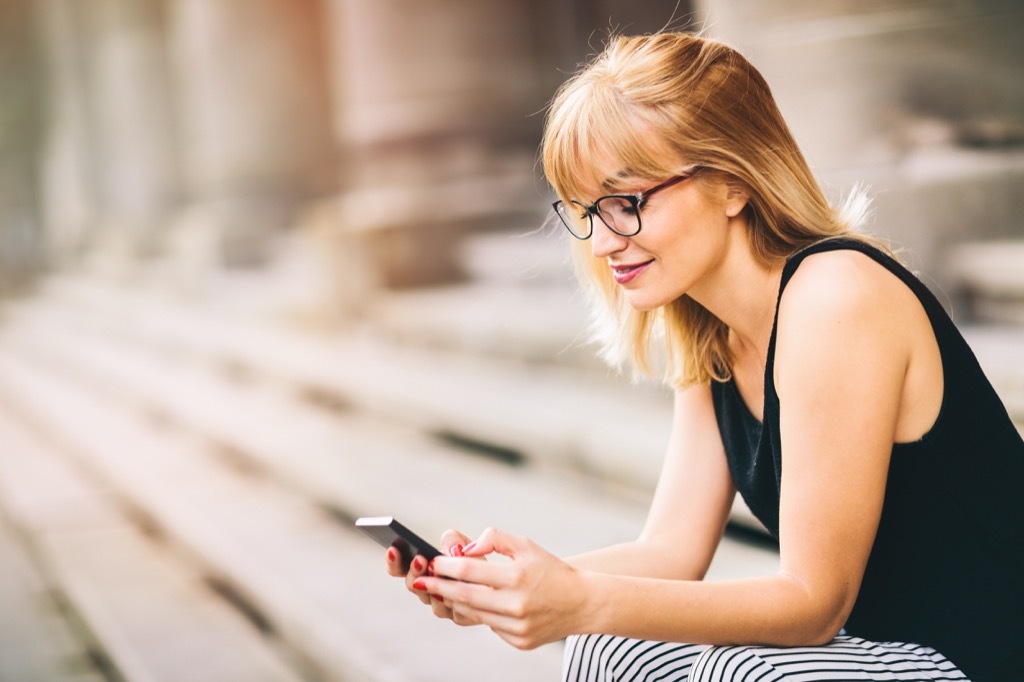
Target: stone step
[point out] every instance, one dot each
(316, 585)
(139, 612)
(540, 324)
(531, 257)
(37, 641)
(992, 277)
(551, 416)
(351, 463)
(522, 302)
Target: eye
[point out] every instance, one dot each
(615, 206)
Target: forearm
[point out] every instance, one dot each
(775, 610)
(641, 559)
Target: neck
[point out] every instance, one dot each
(742, 293)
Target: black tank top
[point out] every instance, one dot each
(947, 565)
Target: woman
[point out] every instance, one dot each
(812, 373)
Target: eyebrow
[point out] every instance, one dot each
(615, 182)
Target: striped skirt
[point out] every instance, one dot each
(604, 658)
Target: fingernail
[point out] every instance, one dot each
(419, 584)
(392, 554)
(469, 548)
(419, 563)
(430, 567)
(455, 550)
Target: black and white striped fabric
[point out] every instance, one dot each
(604, 658)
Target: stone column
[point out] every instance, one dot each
(133, 147)
(21, 114)
(66, 183)
(438, 108)
(254, 123)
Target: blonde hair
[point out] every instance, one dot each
(642, 107)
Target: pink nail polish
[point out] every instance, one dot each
(469, 548)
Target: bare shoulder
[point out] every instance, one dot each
(844, 312)
(845, 284)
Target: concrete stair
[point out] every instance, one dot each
(131, 610)
(38, 641)
(551, 416)
(991, 277)
(312, 584)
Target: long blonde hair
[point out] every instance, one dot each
(642, 106)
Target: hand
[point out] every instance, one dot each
(452, 543)
(534, 599)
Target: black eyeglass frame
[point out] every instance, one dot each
(635, 200)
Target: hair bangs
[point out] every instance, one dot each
(594, 140)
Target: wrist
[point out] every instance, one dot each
(593, 611)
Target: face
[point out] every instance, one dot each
(686, 232)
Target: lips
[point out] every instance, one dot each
(627, 273)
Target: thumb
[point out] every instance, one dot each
(452, 539)
(496, 541)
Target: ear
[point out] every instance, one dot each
(736, 200)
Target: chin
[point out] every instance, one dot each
(644, 303)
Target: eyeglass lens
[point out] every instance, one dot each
(618, 213)
(575, 216)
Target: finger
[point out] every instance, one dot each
(478, 597)
(464, 616)
(494, 575)
(393, 560)
(426, 588)
(417, 569)
(494, 540)
(521, 642)
(500, 623)
(452, 542)
(439, 608)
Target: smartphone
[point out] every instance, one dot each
(390, 533)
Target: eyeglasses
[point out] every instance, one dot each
(620, 212)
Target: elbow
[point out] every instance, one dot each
(824, 633)
(812, 631)
(822, 619)
(834, 616)
(830, 623)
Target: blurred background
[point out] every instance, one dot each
(270, 265)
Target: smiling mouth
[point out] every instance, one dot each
(627, 273)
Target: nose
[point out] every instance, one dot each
(604, 242)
